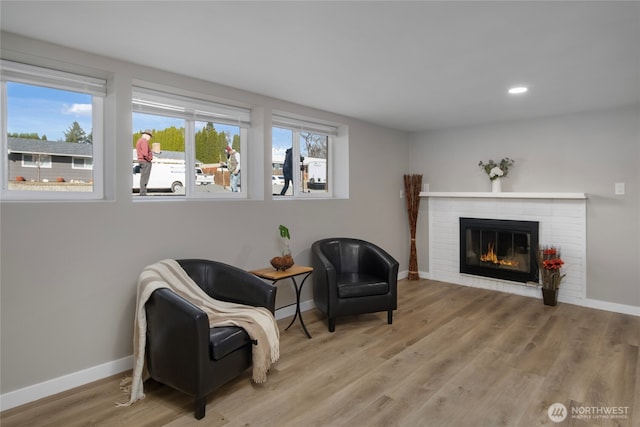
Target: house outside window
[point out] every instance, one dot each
(301, 157)
(49, 120)
(190, 144)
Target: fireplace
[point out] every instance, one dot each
(497, 248)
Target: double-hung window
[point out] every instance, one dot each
(301, 157)
(52, 133)
(198, 146)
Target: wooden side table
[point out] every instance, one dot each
(275, 276)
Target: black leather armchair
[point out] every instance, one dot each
(182, 351)
(352, 276)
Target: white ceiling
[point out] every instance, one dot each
(407, 65)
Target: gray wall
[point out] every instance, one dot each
(69, 269)
(586, 153)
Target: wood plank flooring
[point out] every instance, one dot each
(454, 356)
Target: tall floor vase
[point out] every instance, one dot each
(412, 186)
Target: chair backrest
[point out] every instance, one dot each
(210, 275)
(225, 282)
(344, 253)
(199, 270)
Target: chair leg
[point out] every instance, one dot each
(332, 325)
(390, 317)
(201, 405)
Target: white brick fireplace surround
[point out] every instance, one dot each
(562, 223)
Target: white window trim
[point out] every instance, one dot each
(170, 102)
(303, 124)
(41, 76)
(298, 124)
(152, 101)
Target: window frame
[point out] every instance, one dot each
(297, 125)
(171, 102)
(34, 75)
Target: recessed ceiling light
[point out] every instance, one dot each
(518, 90)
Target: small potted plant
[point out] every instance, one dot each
(286, 260)
(549, 264)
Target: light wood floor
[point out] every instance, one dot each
(454, 356)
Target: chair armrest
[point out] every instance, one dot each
(377, 261)
(324, 277)
(177, 339)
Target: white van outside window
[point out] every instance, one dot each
(190, 145)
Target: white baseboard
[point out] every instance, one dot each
(44, 389)
(57, 385)
(424, 274)
(405, 273)
(611, 306)
(290, 310)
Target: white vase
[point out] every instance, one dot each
(496, 185)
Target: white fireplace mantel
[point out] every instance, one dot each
(562, 223)
(504, 195)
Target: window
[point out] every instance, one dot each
(51, 127)
(198, 146)
(301, 157)
(82, 163)
(36, 161)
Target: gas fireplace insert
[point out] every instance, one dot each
(498, 248)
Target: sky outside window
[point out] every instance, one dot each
(45, 111)
(281, 140)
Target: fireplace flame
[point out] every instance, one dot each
(491, 257)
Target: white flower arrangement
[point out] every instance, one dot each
(495, 170)
(496, 173)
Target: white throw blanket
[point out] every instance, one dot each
(257, 321)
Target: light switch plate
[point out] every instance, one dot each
(619, 188)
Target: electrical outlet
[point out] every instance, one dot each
(619, 188)
(425, 188)
(402, 194)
